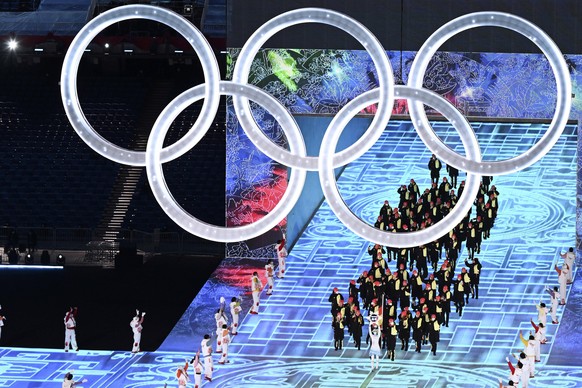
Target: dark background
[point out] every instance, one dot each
(406, 24)
(35, 302)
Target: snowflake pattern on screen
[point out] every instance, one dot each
(321, 82)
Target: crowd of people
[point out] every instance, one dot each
(414, 298)
(203, 363)
(410, 301)
(226, 328)
(525, 363)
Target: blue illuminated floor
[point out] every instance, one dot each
(289, 344)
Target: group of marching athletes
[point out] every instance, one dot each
(401, 304)
(409, 300)
(525, 363)
(226, 328)
(257, 284)
(203, 363)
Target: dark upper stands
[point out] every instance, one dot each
(18, 5)
(196, 180)
(49, 174)
(51, 178)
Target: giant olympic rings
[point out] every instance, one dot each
(559, 67)
(183, 218)
(296, 156)
(367, 231)
(71, 67)
(343, 22)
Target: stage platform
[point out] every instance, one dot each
(289, 344)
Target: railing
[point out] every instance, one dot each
(77, 239)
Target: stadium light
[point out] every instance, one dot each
(12, 44)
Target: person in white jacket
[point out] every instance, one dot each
(136, 327)
(542, 312)
(530, 353)
(220, 318)
(235, 310)
(207, 355)
(68, 382)
(569, 258)
(269, 274)
(375, 351)
(198, 368)
(256, 288)
(281, 255)
(563, 274)
(555, 298)
(225, 340)
(70, 329)
(182, 375)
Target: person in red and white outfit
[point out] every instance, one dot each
(540, 336)
(136, 327)
(569, 258)
(225, 340)
(198, 367)
(555, 297)
(516, 371)
(530, 353)
(235, 310)
(269, 274)
(281, 255)
(70, 327)
(221, 320)
(523, 363)
(256, 288)
(182, 375)
(207, 354)
(542, 312)
(563, 274)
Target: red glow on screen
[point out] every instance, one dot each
(262, 199)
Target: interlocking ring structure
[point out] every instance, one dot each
(72, 104)
(563, 92)
(296, 156)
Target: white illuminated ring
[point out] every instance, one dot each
(364, 229)
(183, 218)
(155, 154)
(352, 27)
(72, 104)
(559, 67)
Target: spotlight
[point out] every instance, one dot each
(12, 44)
(106, 45)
